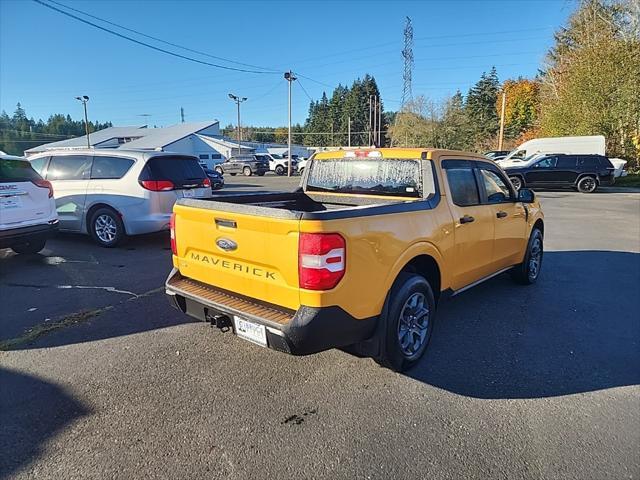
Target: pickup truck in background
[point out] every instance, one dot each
(359, 256)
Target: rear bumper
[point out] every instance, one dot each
(17, 236)
(305, 331)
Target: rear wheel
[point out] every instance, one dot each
(31, 247)
(408, 323)
(516, 182)
(106, 227)
(246, 171)
(529, 270)
(587, 184)
(279, 170)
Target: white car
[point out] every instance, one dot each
(111, 194)
(278, 163)
(27, 209)
(302, 164)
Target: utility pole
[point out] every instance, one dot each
(349, 132)
(289, 77)
(84, 99)
(238, 101)
(379, 123)
(182, 114)
(332, 141)
(370, 119)
(375, 119)
(504, 102)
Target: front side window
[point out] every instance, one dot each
(373, 176)
(69, 167)
(462, 183)
(495, 186)
(548, 162)
(110, 167)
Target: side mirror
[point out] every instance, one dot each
(526, 195)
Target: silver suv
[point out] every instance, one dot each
(110, 194)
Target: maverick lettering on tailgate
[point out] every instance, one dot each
(211, 260)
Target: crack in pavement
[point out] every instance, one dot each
(69, 287)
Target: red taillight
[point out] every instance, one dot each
(321, 260)
(44, 184)
(157, 185)
(206, 182)
(172, 229)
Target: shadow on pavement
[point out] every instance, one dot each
(577, 330)
(31, 412)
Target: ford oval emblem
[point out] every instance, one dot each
(226, 244)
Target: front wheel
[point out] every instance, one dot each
(106, 228)
(528, 271)
(408, 323)
(587, 184)
(279, 170)
(516, 182)
(29, 248)
(246, 171)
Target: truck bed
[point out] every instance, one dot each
(302, 205)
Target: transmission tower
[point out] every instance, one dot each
(407, 54)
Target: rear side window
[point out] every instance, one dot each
(69, 167)
(588, 162)
(462, 183)
(17, 171)
(566, 162)
(176, 169)
(110, 167)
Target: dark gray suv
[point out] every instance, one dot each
(245, 164)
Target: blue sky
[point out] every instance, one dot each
(46, 59)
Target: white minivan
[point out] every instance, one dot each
(111, 194)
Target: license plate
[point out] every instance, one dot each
(250, 331)
(189, 193)
(8, 203)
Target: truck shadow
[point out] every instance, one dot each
(32, 411)
(577, 330)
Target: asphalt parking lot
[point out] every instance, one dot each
(102, 379)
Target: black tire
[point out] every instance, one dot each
(219, 170)
(246, 171)
(261, 174)
(232, 174)
(31, 247)
(106, 228)
(398, 319)
(279, 170)
(587, 184)
(527, 272)
(301, 170)
(516, 182)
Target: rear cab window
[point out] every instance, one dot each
(371, 176)
(182, 171)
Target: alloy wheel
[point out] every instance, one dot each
(413, 325)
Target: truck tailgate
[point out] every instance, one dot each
(247, 254)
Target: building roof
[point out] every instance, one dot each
(226, 142)
(161, 137)
(95, 138)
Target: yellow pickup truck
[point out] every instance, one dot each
(359, 256)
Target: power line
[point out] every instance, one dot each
(153, 47)
(159, 39)
(305, 91)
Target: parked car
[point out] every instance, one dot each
(359, 255)
(111, 194)
(216, 178)
(582, 172)
(496, 154)
(27, 209)
(302, 164)
(244, 164)
(277, 163)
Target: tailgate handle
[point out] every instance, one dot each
(221, 222)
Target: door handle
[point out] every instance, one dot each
(501, 214)
(467, 219)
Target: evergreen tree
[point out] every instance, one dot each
(481, 106)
